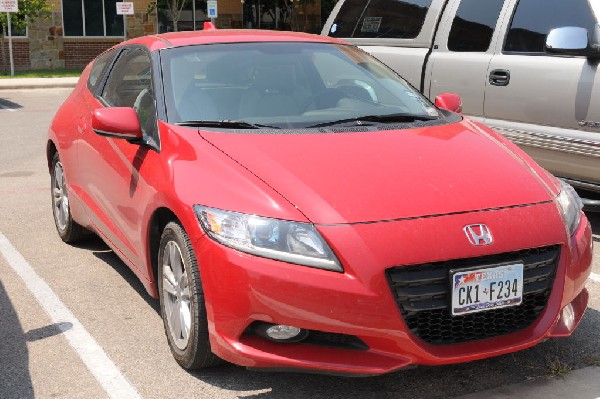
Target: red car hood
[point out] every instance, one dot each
(371, 176)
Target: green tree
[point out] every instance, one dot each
(174, 7)
(29, 12)
(288, 13)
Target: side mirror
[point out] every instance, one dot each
(571, 40)
(117, 122)
(449, 101)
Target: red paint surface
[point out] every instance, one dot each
(118, 121)
(449, 101)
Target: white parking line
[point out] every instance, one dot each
(595, 277)
(92, 354)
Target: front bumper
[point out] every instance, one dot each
(241, 289)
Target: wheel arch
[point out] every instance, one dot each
(50, 151)
(160, 218)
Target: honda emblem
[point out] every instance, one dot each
(478, 234)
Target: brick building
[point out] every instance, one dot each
(78, 30)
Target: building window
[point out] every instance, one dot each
(92, 18)
(15, 31)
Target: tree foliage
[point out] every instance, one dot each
(175, 7)
(29, 12)
(289, 13)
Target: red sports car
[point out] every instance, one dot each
(295, 204)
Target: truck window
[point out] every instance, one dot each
(392, 19)
(474, 25)
(533, 20)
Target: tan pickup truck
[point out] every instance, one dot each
(527, 68)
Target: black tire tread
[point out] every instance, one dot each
(74, 232)
(198, 354)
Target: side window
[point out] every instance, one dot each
(99, 67)
(130, 85)
(533, 20)
(474, 25)
(391, 19)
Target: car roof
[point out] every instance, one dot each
(189, 38)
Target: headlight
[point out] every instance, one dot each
(288, 241)
(570, 206)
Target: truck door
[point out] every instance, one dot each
(398, 32)
(548, 104)
(462, 52)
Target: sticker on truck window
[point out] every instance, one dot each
(333, 28)
(371, 24)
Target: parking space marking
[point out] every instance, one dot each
(595, 277)
(92, 354)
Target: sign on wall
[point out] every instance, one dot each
(9, 6)
(123, 8)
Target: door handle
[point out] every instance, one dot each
(499, 77)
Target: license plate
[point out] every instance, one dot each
(485, 289)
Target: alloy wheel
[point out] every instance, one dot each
(176, 294)
(60, 198)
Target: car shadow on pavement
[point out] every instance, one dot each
(108, 256)
(7, 104)
(15, 381)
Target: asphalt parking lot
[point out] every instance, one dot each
(45, 354)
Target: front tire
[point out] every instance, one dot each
(68, 230)
(182, 300)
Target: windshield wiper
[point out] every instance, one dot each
(389, 118)
(226, 123)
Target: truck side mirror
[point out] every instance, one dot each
(449, 101)
(571, 40)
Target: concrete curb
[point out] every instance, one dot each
(37, 83)
(581, 384)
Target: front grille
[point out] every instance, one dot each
(424, 297)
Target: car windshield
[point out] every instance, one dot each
(285, 85)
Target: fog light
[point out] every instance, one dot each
(568, 317)
(280, 332)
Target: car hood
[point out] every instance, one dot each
(350, 177)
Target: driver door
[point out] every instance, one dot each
(111, 168)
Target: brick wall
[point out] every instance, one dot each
(20, 55)
(79, 52)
